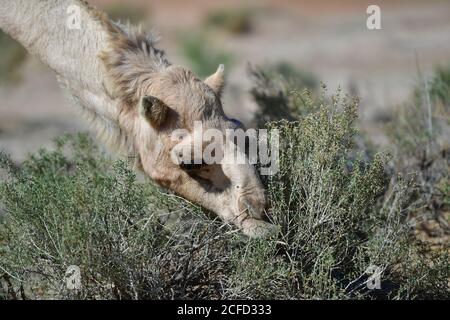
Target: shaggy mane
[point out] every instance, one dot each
(130, 59)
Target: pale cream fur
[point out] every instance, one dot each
(108, 69)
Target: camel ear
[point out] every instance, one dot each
(154, 111)
(216, 81)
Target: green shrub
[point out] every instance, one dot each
(420, 123)
(202, 56)
(440, 86)
(232, 21)
(338, 216)
(276, 91)
(294, 78)
(419, 131)
(76, 207)
(445, 189)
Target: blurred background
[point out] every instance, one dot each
(309, 41)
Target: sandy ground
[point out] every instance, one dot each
(328, 38)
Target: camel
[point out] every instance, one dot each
(135, 99)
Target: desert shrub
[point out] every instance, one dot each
(440, 86)
(419, 131)
(337, 219)
(233, 21)
(445, 189)
(294, 78)
(74, 206)
(202, 55)
(339, 215)
(13, 56)
(421, 123)
(276, 89)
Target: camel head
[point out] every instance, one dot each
(143, 106)
(180, 132)
(184, 115)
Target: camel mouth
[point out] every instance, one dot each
(213, 179)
